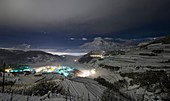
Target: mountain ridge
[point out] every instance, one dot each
(23, 57)
(100, 44)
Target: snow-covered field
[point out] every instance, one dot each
(78, 89)
(17, 97)
(83, 87)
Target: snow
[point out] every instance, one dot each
(99, 44)
(16, 97)
(83, 87)
(112, 78)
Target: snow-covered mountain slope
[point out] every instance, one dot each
(154, 55)
(100, 44)
(25, 57)
(162, 40)
(106, 44)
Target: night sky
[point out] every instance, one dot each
(70, 23)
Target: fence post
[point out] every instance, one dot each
(69, 93)
(88, 97)
(11, 99)
(66, 96)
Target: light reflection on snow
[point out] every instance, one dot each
(47, 68)
(87, 73)
(67, 53)
(63, 69)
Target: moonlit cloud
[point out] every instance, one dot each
(108, 38)
(84, 39)
(72, 39)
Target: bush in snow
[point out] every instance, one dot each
(42, 88)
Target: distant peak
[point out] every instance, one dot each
(98, 39)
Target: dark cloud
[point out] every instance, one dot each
(84, 15)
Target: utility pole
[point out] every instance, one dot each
(3, 83)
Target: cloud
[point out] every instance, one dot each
(83, 15)
(120, 39)
(108, 38)
(22, 46)
(72, 39)
(84, 39)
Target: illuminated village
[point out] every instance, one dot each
(84, 50)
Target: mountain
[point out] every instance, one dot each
(9, 53)
(134, 42)
(100, 44)
(105, 44)
(163, 40)
(86, 58)
(24, 57)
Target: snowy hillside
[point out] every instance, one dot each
(25, 57)
(136, 69)
(100, 44)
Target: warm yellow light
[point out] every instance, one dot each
(46, 68)
(93, 71)
(7, 70)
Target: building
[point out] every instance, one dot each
(97, 54)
